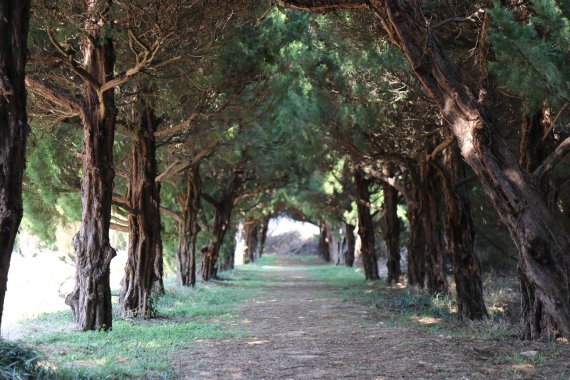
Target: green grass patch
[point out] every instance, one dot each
(21, 362)
(143, 348)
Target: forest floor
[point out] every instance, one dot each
(310, 322)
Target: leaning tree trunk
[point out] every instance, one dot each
(91, 299)
(14, 20)
(365, 226)
(211, 254)
(143, 196)
(188, 230)
(460, 234)
(392, 230)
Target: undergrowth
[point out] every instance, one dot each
(20, 362)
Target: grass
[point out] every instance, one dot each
(21, 362)
(137, 348)
(434, 313)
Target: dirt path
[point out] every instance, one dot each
(300, 329)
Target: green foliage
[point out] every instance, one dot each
(532, 59)
(18, 362)
(51, 185)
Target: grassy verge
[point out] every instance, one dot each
(435, 313)
(137, 348)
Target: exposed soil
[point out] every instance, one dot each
(300, 329)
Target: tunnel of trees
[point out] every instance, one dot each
(391, 124)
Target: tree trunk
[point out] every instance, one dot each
(350, 245)
(188, 230)
(460, 234)
(431, 209)
(222, 215)
(251, 231)
(366, 226)
(416, 246)
(14, 21)
(263, 229)
(91, 299)
(324, 241)
(145, 245)
(392, 230)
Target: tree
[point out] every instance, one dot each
(540, 239)
(14, 22)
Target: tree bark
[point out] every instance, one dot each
(188, 229)
(392, 230)
(222, 215)
(325, 242)
(416, 240)
(145, 245)
(460, 237)
(251, 231)
(350, 245)
(91, 299)
(14, 23)
(263, 229)
(431, 209)
(365, 226)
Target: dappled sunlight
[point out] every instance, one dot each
(426, 320)
(258, 342)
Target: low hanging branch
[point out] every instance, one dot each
(55, 95)
(321, 6)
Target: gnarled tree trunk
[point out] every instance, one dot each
(391, 230)
(460, 234)
(91, 299)
(188, 229)
(263, 229)
(251, 231)
(365, 226)
(145, 245)
(324, 247)
(14, 20)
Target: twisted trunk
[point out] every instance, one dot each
(263, 229)
(365, 226)
(91, 299)
(14, 20)
(188, 230)
(145, 245)
(251, 231)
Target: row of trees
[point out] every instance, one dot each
(197, 120)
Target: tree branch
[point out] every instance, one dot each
(553, 159)
(173, 214)
(180, 127)
(119, 227)
(180, 166)
(55, 95)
